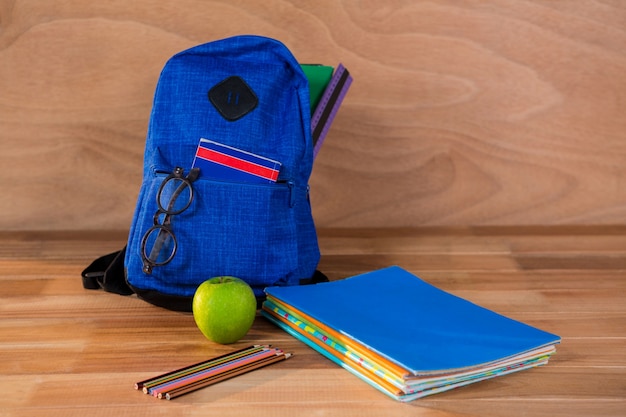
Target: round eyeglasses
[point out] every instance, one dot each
(159, 244)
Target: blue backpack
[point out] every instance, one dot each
(225, 186)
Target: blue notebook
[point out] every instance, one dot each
(226, 163)
(413, 324)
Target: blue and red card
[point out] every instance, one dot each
(226, 163)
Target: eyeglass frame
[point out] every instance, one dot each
(164, 228)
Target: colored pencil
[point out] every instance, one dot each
(185, 389)
(190, 378)
(211, 371)
(143, 385)
(149, 387)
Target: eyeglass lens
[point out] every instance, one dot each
(174, 196)
(159, 245)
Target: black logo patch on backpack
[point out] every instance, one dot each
(233, 98)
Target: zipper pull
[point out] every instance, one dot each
(292, 193)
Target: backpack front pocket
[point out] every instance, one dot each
(239, 229)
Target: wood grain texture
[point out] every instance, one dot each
(74, 352)
(461, 113)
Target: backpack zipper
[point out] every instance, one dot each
(292, 194)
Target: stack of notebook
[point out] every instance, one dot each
(404, 336)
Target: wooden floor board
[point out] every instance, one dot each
(77, 352)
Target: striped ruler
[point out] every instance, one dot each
(328, 106)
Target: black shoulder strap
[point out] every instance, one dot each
(107, 273)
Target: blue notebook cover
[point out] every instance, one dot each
(412, 323)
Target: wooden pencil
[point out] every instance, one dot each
(212, 370)
(217, 377)
(211, 363)
(151, 381)
(169, 395)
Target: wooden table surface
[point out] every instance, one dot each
(71, 352)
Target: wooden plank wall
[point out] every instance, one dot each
(462, 112)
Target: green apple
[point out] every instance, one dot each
(224, 309)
